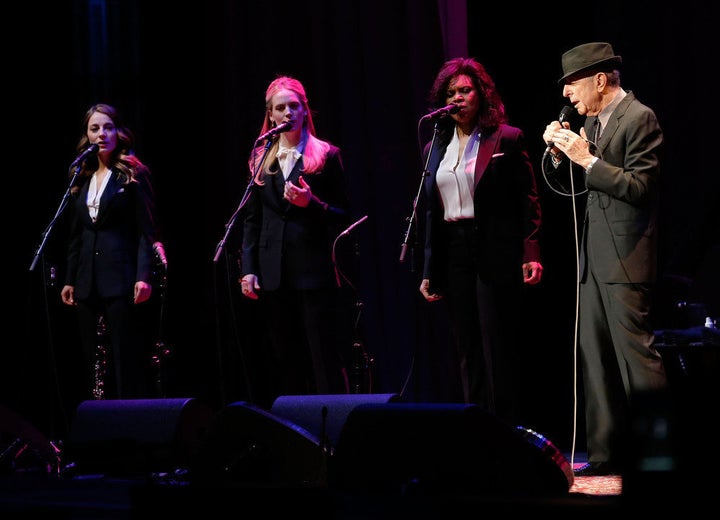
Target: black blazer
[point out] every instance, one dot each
(623, 195)
(117, 249)
(622, 201)
(288, 245)
(507, 209)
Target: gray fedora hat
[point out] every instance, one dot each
(597, 56)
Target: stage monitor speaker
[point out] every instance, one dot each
(136, 436)
(415, 448)
(249, 446)
(324, 415)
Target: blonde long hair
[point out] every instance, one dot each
(315, 150)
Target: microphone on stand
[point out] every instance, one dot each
(160, 253)
(452, 108)
(282, 127)
(353, 226)
(90, 150)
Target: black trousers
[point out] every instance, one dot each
(128, 352)
(311, 337)
(483, 317)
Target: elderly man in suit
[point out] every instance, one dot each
(618, 150)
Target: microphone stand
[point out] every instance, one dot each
(413, 216)
(243, 201)
(48, 229)
(218, 252)
(162, 351)
(360, 377)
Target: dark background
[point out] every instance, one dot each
(190, 79)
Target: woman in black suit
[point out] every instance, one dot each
(482, 229)
(110, 254)
(295, 211)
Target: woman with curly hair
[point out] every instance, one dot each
(110, 257)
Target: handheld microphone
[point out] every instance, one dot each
(565, 113)
(452, 108)
(90, 150)
(279, 129)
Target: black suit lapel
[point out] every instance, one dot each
(111, 188)
(296, 171)
(487, 148)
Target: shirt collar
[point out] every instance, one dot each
(284, 151)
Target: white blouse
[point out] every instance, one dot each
(456, 178)
(95, 193)
(288, 157)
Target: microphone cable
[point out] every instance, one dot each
(571, 193)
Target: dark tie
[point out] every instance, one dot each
(596, 134)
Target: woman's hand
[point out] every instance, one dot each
(425, 291)
(532, 272)
(68, 295)
(298, 195)
(249, 286)
(143, 291)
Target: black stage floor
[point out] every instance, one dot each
(105, 498)
(25, 496)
